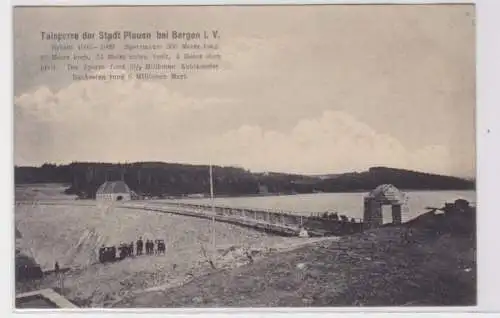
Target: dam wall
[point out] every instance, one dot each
(277, 222)
(316, 225)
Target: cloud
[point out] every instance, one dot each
(136, 120)
(333, 142)
(108, 121)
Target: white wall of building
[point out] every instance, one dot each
(113, 196)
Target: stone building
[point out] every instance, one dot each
(385, 194)
(114, 191)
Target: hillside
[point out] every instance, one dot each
(415, 264)
(403, 179)
(170, 179)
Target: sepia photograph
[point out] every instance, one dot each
(244, 156)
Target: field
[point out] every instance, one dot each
(72, 234)
(44, 191)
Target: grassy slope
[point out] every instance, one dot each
(432, 269)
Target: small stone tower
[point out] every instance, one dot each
(385, 194)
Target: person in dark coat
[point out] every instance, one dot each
(56, 268)
(139, 246)
(150, 247)
(161, 247)
(122, 250)
(131, 249)
(113, 253)
(102, 251)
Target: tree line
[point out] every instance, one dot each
(171, 179)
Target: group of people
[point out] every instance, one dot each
(149, 245)
(332, 216)
(108, 253)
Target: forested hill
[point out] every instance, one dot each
(170, 179)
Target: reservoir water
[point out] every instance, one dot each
(349, 204)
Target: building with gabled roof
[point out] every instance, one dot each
(114, 191)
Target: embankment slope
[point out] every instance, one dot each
(72, 235)
(422, 263)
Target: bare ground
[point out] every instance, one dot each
(72, 235)
(375, 268)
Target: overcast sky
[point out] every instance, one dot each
(305, 89)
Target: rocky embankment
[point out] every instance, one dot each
(429, 261)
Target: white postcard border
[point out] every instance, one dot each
(488, 159)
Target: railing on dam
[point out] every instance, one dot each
(283, 222)
(247, 218)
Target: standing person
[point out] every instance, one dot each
(139, 246)
(113, 253)
(150, 247)
(102, 253)
(131, 249)
(161, 247)
(122, 248)
(59, 276)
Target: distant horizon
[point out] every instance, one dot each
(241, 167)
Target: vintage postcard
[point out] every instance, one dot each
(244, 156)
